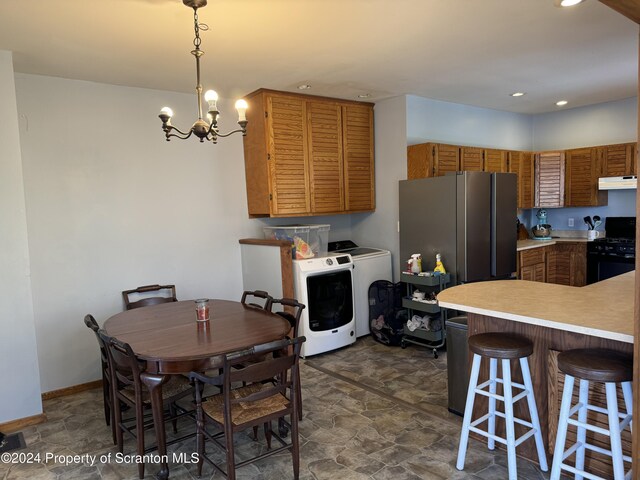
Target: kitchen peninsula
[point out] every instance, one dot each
(555, 318)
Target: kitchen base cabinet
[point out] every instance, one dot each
(567, 263)
(532, 264)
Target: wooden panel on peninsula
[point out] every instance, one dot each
(555, 318)
(545, 342)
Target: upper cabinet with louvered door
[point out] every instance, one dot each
(549, 179)
(495, 160)
(617, 160)
(471, 159)
(307, 155)
(521, 163)
(275, 151)
(583, 169)
(357, 138)
(420, 161)
(326, 179)
(446, 158)
(288, 143)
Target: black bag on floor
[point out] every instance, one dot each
(386, 315)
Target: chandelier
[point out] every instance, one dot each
(204, 129)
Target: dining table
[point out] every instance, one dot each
(169, 339)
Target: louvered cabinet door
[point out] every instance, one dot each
(287, 155)
(495, 160)
(357, 138)
(526, 180)
(446, 158)
(326, 181)
(618, 160)
(583, 170)
(471, 159)
(549, 179)
(419, 161)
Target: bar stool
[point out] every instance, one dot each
(593, 365)
(504, 347)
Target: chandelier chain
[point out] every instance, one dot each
(196, 27)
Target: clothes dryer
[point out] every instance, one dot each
(325, 286)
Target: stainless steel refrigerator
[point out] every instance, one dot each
(467, 217)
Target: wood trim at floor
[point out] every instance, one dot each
(71, 390)
(20, 423)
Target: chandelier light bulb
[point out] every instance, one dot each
(211, 96)
(241, 107)
(166, 111)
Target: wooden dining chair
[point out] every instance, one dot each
(259, 402)
(107, 391)
(128, 390)
(293, 317)
(264, 303)
(163, 294)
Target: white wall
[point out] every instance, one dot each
(111, 205)
(19, 375)
(379, 229)
(444, 122)
(600, 124)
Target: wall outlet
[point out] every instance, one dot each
(570, 222)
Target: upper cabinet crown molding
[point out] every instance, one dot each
(308, 155)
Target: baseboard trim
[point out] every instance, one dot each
(20, 423)
(71, 390)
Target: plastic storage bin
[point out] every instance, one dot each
(308, 240)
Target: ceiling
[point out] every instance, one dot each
(473, 52)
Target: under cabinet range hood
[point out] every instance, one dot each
(618, 183)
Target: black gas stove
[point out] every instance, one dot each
(616, 253)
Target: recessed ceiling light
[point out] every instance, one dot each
(518, 94)
(566, 3)
(304, 86)
(364, 95)
(561, 103)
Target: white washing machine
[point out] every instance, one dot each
(370, 264)
(325, 286)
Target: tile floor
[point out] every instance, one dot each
(370, 412)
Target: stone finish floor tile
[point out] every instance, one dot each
(370, 412)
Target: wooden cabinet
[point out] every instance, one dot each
(432, 160)
(521, 163)
(471, 159)
(357, 145)
(532, 264)
(308, 155)
(582, 172)
(495, 160)
(549, 179)
(420, 161)
(564, 263)
(617, 160)
(567, 263)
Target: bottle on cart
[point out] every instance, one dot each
(416, 263)
(439, 266)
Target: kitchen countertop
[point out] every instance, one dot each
(603, 309)
(530, 243)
